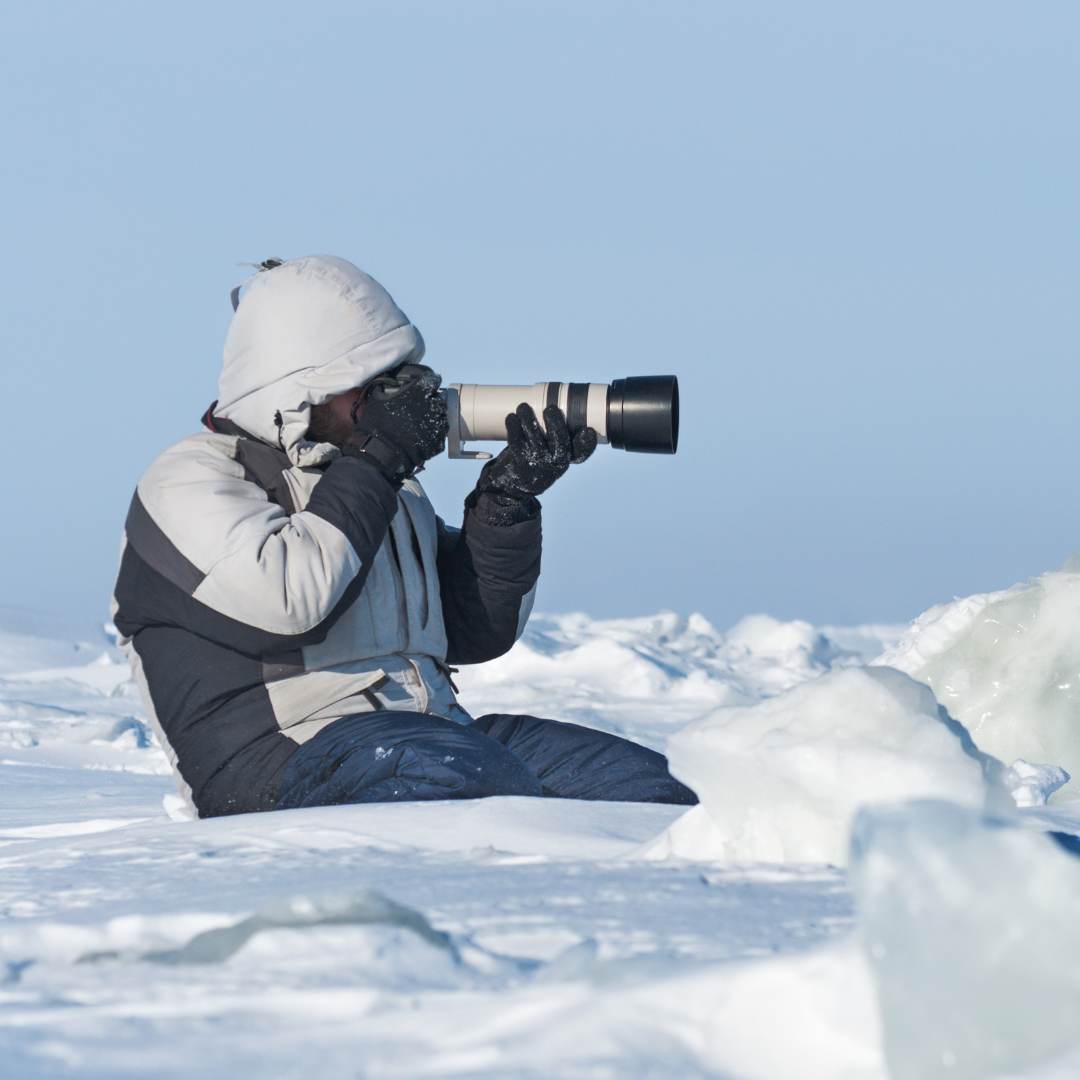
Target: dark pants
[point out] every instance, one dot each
(405, 756)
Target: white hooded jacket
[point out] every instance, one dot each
(269, 585)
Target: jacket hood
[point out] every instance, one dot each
(305, 331)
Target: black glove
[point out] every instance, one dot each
(532, 460)
(400, 421)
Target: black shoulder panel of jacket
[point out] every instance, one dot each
(485, 572)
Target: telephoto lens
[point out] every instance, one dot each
(639, 414)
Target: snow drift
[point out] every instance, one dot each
(781, 781)
(1007, 666)
(568, 956)
(489, 939)
(646, 677)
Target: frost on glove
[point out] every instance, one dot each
(400, 422)
(532, 461)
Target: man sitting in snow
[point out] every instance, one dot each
(289, 602)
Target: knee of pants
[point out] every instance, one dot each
(576, 762)
(394, 757)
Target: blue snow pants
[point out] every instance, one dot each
(406, 756)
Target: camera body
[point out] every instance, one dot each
(639, 414)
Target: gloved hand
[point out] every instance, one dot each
(533, 460)
(400, 421)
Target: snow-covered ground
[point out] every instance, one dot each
(497, 938)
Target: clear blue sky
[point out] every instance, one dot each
(850, 228)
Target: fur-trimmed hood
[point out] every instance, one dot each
(305, 331)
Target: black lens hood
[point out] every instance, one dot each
(643, 414)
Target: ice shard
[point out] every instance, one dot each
(972, 930)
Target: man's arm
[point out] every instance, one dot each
(487, 578)
(208, 552)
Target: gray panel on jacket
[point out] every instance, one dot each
(265, 466)
(158, 551)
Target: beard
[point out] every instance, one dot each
(326, 425)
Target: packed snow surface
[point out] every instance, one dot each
(497, 938)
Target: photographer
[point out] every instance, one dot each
(290, 603)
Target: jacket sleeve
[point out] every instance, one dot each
(249, 566)
(487, 579)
